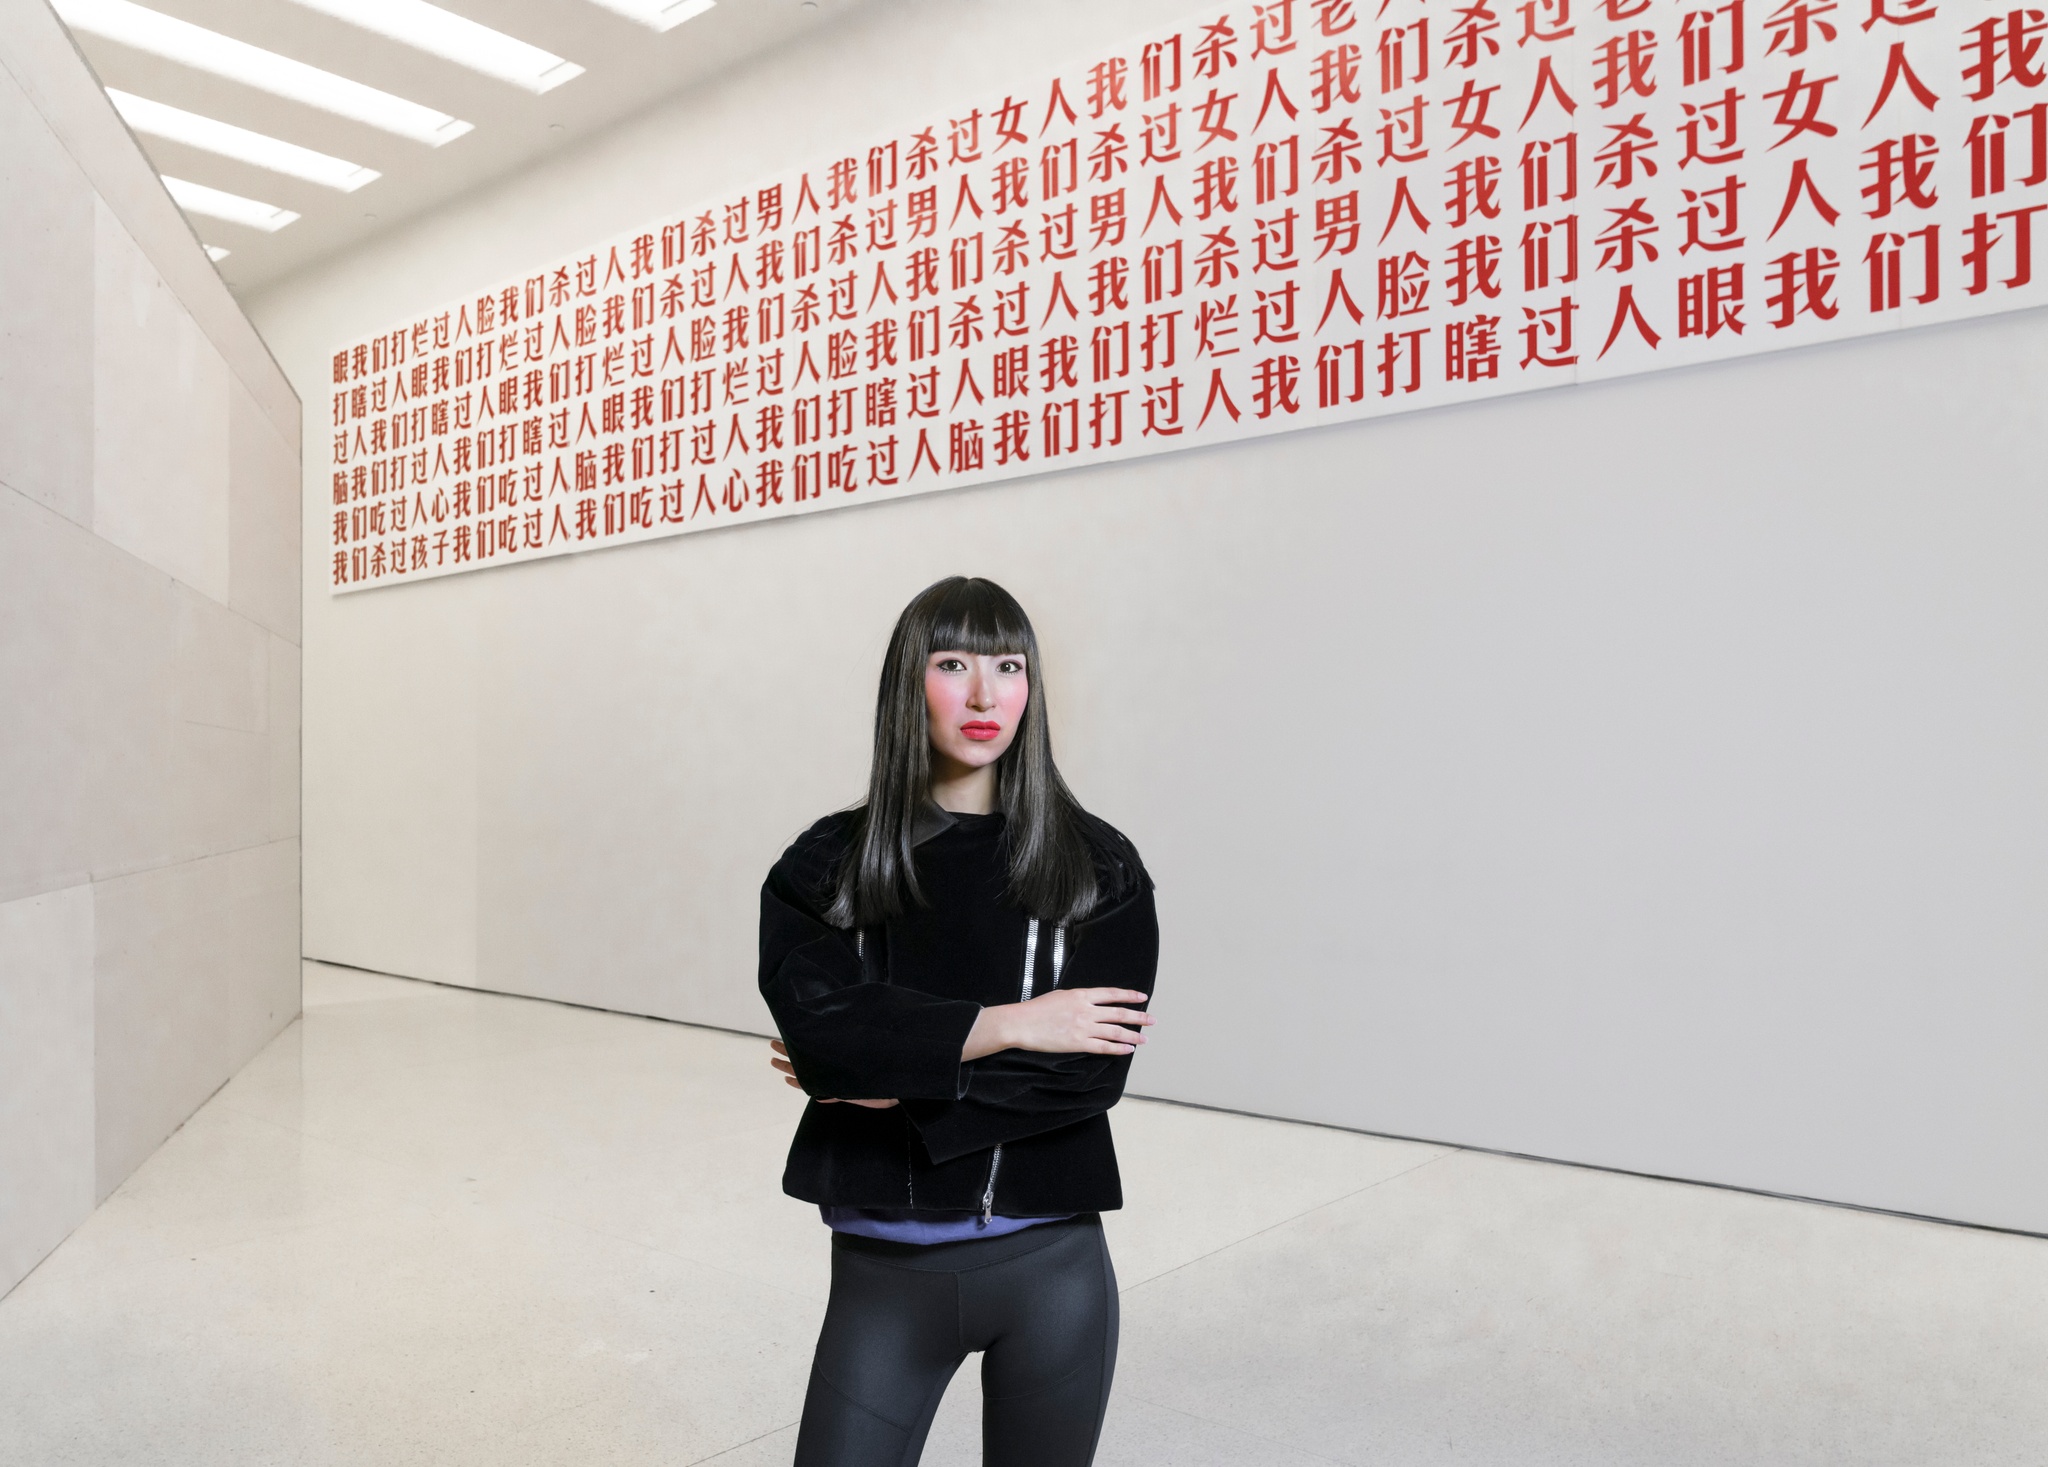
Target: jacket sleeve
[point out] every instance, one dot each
(849, 1037)
(1017, 1093)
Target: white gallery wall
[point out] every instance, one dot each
(1686, 813)
(149, 658)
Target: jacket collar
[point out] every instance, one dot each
(930, 821)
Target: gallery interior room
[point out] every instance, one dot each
(1531, 520)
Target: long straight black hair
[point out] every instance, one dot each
(1052, 841)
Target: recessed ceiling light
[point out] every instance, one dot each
(205, 50)
(454, 38)
(197, 198)
(216, 254)
(180, 126)
(662, 15)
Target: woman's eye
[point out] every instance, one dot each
(1013, 667)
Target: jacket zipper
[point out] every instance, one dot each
(1059, 952)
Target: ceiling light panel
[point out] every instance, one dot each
(209, 51)
(661, 15)
(197, 198)
(454, 38)
(179, 126)
(216, 254)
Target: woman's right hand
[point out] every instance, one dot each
(1065, 1021)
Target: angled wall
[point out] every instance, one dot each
(149, 656)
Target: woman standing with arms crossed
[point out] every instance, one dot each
(957, 968)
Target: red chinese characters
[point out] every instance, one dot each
(1275, 215)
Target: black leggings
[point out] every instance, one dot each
(1041, 1304)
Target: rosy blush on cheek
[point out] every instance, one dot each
(946, 698)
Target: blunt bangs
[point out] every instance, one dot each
(977, 616)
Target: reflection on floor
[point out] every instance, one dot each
(430, 1226)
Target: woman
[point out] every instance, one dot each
(957, 968)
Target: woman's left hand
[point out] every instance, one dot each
(781, 1062)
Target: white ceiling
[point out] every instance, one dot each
(627, 67)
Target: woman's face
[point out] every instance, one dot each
(973, 704)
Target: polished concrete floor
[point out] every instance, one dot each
(430, 1226)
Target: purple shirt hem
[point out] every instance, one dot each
(900, 1225)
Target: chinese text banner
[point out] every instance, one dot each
(1270, 217)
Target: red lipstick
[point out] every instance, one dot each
(981, 733)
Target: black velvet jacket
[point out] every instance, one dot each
(884, 1014)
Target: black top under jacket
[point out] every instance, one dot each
(884, 1016)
